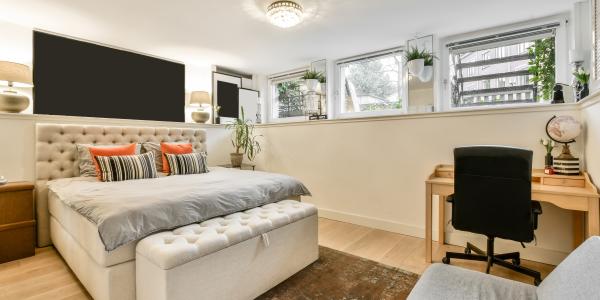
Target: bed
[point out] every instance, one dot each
(104, 264)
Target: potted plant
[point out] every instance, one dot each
(323, 81)
(549, 160)
(311, 79)
(415, 60)
(427, 72)
(583, 81)
(243, 139)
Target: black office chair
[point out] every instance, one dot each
(492, 196)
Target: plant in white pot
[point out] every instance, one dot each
(419, 63)
(427, 72)
(323, 82)
(311, 78)
(243, 140)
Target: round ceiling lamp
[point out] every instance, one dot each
(285, 14)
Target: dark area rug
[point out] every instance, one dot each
(338, 275)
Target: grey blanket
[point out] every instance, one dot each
(130, 210)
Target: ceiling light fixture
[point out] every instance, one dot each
(285, 14)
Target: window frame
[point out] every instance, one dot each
(562, 72)
(272, 81)
(595, 43)
(337, 95)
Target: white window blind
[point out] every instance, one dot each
(494, 69)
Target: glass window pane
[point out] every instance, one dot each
(371, 84)
(503, 74)
(287, 98)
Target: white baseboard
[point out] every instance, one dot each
(458, 238)
(382, 224)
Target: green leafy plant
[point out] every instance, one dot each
(542, 66)
(243, 137)
(322, 79)
(310, 74)
(548, 145)
(414, 53)
(582, 76)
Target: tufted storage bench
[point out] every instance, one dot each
(239, 256)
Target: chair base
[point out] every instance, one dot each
(491, 259)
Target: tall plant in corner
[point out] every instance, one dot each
(243, 139)
(542, 66)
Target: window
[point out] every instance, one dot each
(286, 96)
(371, 83)
(507, 68)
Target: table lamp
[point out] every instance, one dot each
(202, 100)
(14, 75)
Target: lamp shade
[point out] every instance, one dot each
(14, 74)
(200, 97)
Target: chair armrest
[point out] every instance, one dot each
(450, 198)
(536, 210)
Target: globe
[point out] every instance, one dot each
(563, 129)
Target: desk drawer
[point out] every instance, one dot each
(563, 182)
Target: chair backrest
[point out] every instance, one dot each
(576, 277)
(492, 192)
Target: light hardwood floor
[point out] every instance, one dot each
(46, 276)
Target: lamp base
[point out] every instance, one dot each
(12, 102)
(200, 116)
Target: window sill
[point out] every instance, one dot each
(523, 108)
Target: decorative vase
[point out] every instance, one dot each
(416, 66)
(549, 160)
(236, 159)
(13, 102)
(312, 85)
(585, 91)
(426, 74)
(200, 116)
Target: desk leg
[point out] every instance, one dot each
(579, 230)
(428, 222)
(593, 217)
(442, 221)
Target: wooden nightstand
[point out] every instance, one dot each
(17, 221)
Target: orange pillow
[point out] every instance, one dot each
(110, 151)
(173, 148)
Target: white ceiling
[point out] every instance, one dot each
(236, 33)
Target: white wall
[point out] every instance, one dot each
(591, 116)
(372, 172)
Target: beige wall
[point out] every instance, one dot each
(17, 133)
(591, 116)
(373, 172)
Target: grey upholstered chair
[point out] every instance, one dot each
(577, 277)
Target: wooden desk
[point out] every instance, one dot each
(575, 193)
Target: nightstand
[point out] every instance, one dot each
(243, 167)
(17, 221)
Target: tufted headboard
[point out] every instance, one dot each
(56, 154)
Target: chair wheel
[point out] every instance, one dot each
(445, 260)
(467, 251)
(516, 261)
(537, 281)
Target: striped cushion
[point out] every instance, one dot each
(127, 167)
(192, 163)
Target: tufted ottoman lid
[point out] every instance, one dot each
(170, 249)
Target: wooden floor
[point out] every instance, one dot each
(46, 276)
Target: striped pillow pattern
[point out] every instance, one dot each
(127, 167)
(192, 163)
